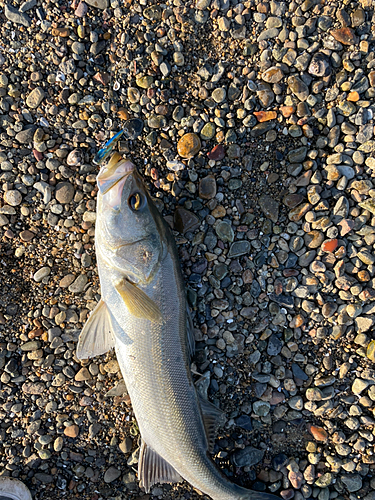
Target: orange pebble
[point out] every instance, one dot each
(265, 116)
(353, 96)
(319, 433)
(287, 111)
(329, 245)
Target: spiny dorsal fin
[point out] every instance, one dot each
(152, 469)
(96, 336)
(138, 303)
(213, 418)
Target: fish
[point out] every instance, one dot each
(143, 314)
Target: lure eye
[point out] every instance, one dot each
(135, 201)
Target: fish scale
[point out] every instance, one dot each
(143, 315)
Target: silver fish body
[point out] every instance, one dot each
(144, 298)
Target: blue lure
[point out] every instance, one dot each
(106, 150)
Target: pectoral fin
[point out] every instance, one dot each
(96, 336)
(152, 469)
(213, 418)
(138, 303)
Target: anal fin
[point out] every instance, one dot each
(96, 336)
(152, 469)
(213, 418)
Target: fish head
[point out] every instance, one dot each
(130, 232)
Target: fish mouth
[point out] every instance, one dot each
(117, 168)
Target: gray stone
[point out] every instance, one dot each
(353, 482)
(35, 97)
(99, 4)
(26, 135)
(111, 474)
(239, 248)
(16, 16)
(274, 346)
(270, 207)
(41, 273)
(79, 284)
(247, 457)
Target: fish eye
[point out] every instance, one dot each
(135, 201)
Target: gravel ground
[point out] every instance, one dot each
(253, 126)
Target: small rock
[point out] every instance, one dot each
(189, 145)
(270, 207)
(72, 431)
(41, 273)
(207, 187)
(185, 221)
(247, 457)
(79, 284)
(346, 36)
(16, 16)
(111, 475)
(217, 153)
(12, 197)
(64, 192)
(35, 97)
(99, 4)
(81, 9)
(319, 433)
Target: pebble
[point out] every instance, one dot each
(16, 16)
(189, 145)
(13, 197)
(111, 474)
(249, 456)
(42, 273)
(64, 192)
(35, 98)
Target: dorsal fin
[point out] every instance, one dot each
(152, 469)
(213, 418)
(96, 336)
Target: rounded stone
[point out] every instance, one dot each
(320, 65)
(41, 273)
(12, 197)
(72, 431)
(219, 95)
(208, 131)
(111, 474)
(35, 97)
(189, 145)
(64, 192)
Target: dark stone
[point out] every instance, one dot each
(247, 457)
(282, 300)
(244, 421)
(185, 221)
(279, 461)
(298, 372)
(133, 128)
(274, 346)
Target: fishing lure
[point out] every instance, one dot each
(106, 150)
